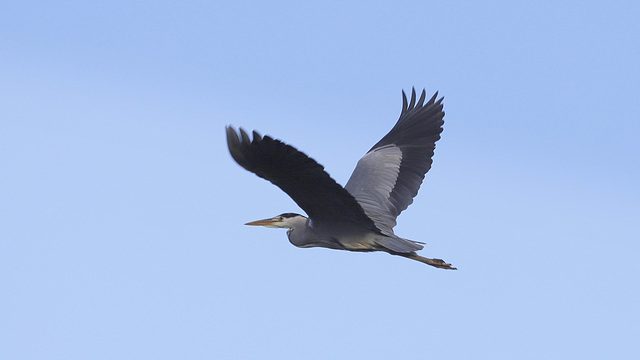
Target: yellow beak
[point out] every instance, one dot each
(265, 222)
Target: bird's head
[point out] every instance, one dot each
(286, 221)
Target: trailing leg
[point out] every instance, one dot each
(439, 263)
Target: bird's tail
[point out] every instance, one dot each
(398, 244)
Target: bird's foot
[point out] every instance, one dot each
(439, 263)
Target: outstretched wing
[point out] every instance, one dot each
(301, 177)
(388, 177)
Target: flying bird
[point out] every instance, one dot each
(361, 215)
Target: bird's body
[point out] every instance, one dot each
(360, 216)
(306, 233)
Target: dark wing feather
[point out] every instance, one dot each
(301, 177)
(388, 177)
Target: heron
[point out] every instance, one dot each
(361, 215)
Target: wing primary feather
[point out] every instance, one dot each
(404, 101)
(413, 99)
(256, 136)
(433, 99)
(245, 136)
(422, 97)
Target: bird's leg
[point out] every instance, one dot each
(439, 263)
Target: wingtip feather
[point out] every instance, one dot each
(404, 101)
(423, 95)
(232, 136)
(244, 136)
(412, 104)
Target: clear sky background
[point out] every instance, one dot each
(121, 216)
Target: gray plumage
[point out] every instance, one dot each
(361, 216)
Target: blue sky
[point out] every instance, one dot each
(121, 227)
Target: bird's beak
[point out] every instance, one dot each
(265, 222)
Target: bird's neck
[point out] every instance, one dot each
(298, 230)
